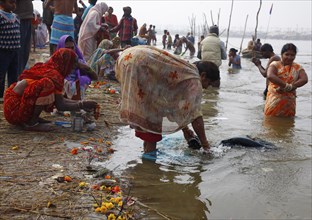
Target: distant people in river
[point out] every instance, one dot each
(154, 38)
(268, 53)
(169, 41)
(190, 37)
(251, 43)
(284, 77)
(188, 46)
(234, 61)
(127, 27)
(212, 48)
(167, 99)
(178, 45)
(164, 39)
(257, 45)
(202, 37)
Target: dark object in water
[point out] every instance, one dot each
(247, 142)
(194, 143)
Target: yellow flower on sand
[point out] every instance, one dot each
(83, 184)
(109, 205)
(103, 209)
(111, 217)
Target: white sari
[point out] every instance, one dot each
(89, 27)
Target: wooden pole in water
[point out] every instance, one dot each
(219, 17)
(257, 20)
(228, 30)
(240, 49)
(211, 17)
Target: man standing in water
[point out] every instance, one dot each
(63, 22)
(267, 52)
(212, 48)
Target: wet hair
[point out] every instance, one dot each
(110, 8)
(211, 69)
(289, 46)
(93, 2)
(266, 47)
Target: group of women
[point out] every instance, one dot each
(161, 93)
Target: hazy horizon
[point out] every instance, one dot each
(285, 15)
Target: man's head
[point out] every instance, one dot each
(127, 10)
(214, 30)
(209, 73)
(110, 10)
(266, 50)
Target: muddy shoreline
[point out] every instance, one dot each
(31, 162)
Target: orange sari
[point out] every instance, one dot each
(43, 81)
(281, 103)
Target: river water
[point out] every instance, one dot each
(237, 183)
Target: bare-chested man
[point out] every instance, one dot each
(63, 22)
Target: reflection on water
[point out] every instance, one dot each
(240, 183)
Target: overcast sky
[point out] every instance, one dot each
(286, 15)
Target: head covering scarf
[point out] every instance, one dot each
(91, 24)
(75, 74)
(98, 53)
(56, 68)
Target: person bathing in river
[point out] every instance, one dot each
(40, 89)
(234, 61)
(188, 46)
(266, 52)
(284, 77)
(161, 94)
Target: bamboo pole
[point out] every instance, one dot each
(240, 49)
(211, 17)
(228, 30)
(257, 20)
(219, 16)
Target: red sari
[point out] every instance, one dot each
(44, 80)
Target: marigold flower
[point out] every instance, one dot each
(121, 218)
(68, 179)
(120, 203)
(109, 205)
(103, 209)
(107, 177)
(115, 189)
(74, 151)
(108, 143)
(111, 217)
(98, 209)
(83, 184)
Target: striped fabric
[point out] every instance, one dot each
(62, 25)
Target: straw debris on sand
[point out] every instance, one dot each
(34, 167)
